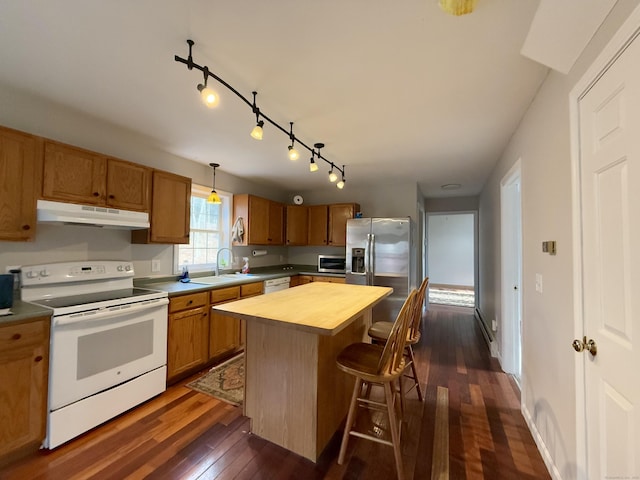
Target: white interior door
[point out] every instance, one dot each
(511, 260)
(609, 170)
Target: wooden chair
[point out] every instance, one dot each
(380, 365)
(379, 332)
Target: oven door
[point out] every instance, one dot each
(91, 353)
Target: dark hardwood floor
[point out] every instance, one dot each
(469, 427)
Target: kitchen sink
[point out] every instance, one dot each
(238, 275)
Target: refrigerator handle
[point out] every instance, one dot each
(367, 260)
(372, 256)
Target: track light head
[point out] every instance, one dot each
(313, 166)
(257, 130)
(293, 153)
(209, 97)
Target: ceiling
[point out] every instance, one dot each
(397, 91)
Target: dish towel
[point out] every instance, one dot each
(237, 231)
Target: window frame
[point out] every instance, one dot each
(201, 191)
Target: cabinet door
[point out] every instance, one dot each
(297, 228)
(187, 345)
(74, 175)
(224, 334)
(318, 225)
(258, 221)
(24, 354)
(338, 215)
(276, 224)
(170, 210)
(128, 185)
(21, 167)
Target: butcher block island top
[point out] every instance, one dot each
(294, 393)
(317, 307)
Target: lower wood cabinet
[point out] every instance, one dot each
(302, 279)
(24, 367)
(224, 331)
(188, 334)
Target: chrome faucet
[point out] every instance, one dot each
(217, 272)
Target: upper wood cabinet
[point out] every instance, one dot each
(73, 174)
(263, 220)
(318, 225)
(20, 180)
(296, 225)
(170, 210)
(339, 213)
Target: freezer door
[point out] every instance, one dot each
(357, 251)
(390, 265)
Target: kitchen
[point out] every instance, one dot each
(540, 137)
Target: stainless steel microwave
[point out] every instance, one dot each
(331, 263)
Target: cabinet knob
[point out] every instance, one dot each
(26, 227)
(96, 194)
(16, 336)
(189, 302)
(112, 196)
(38, 359)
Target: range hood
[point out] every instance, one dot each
(92, 215)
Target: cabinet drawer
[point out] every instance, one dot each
(250, 289)
(22, 334)
(223, 294)
(188, 301)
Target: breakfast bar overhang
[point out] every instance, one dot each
(295, 395)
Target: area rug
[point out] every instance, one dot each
(224, 381)
(458, 298)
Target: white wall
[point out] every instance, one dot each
(542, 141)
(450, 244)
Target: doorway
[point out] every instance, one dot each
(605, 117)
(451, 257)
(511, 261)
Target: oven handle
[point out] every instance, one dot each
(101, 314)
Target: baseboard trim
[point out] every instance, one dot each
(542, 447)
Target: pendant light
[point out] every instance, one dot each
(332, 175)
(340, 184)
(213, 196)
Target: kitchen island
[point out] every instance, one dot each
(294, 394)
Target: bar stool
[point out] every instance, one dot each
(379, 365)
(379, 332)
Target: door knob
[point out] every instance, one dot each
(584, 344)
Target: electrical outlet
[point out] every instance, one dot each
(539, 282)
(155, 266)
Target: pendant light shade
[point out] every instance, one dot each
(458, 7)
(293, 153)
(209, 97)
(213, 196)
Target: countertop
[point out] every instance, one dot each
(174, 287)
(21, 311)
(318, 307)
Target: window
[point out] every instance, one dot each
(210, 231)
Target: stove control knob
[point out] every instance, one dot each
(44, 273)
(120, 268)
(32, 274)
(127, 268)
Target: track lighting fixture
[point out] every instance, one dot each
(257, 130)
(293, 153)
(209, 97)
(340, 184)
(332, 175)
(313, 166)
(213, 196)
(260, 118)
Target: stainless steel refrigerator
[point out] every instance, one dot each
(379, 253)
